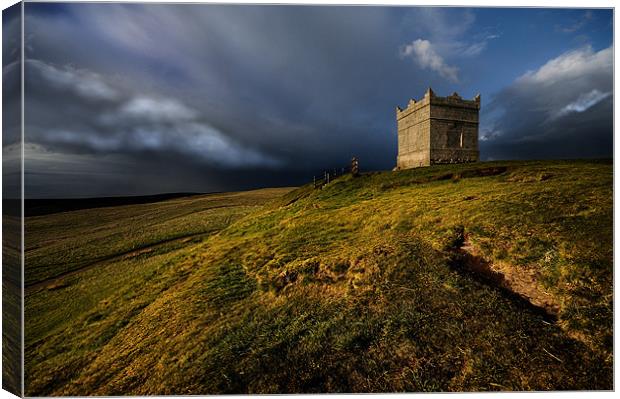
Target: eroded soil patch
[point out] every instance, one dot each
(519, 284)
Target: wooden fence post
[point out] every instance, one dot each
(355, 166)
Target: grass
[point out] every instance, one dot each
(62, 242)
(11, 302)
(345, 289)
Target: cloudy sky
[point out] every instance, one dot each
(126, 99)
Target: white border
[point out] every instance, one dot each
(466, 3)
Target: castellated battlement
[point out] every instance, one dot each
(437, 130)
(453, 100)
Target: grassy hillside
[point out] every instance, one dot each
(61, 242)
(491, 276)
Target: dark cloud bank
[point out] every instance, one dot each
(213, 98)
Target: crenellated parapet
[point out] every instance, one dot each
(453, 100)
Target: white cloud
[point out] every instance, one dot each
(84, 83)
(572, 82)
(445, 33)
(423, 53)
(452, 31)
(199, 140)
(570, 66)
(157, 109)
(584, 102)
(587, 17)
(129, 121)
(206, 141)
(474, 49)
(487, 134)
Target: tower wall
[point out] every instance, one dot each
(437, 130)
(414, 125)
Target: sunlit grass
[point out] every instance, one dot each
(344, 289)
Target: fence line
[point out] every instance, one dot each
(329, 175)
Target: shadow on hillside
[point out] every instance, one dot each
(465, 261)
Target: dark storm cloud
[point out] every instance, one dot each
(130, 98)
(11, 102)
(105, 118)
(561, 110)
(281, 90)
(11, 75)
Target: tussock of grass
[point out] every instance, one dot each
(348, 289)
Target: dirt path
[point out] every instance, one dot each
(520, 284)
(57, 282)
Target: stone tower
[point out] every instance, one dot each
(437, 130)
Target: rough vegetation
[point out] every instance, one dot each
(358, 287)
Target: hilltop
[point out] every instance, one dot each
(486, 276)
